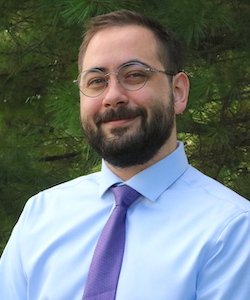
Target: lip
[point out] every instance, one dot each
(120, 122)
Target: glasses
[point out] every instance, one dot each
(131, 76)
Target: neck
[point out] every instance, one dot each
(128, 172)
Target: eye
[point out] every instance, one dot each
(96, 82)
(135, 76)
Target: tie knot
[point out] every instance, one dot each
(124, 195)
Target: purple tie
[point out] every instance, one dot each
(107, 260)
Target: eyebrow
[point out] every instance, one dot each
(132, 61)
(95, 69)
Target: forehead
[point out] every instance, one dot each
(111, 47)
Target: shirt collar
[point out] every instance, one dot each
(152, 181)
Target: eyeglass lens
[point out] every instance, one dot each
(132, 77)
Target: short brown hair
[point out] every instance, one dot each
(170, 50)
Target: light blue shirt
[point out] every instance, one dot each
(188, 238)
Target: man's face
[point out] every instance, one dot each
(127, 127)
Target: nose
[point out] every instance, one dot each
(114, 95)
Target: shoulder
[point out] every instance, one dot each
(79, 182)
(207, 191)
(71, 193)
(211, 210)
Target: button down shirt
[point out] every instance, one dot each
(187, 238)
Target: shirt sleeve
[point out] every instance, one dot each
(226, 274)
(12, 277)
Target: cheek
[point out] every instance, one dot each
(154, 90)
(150, 99)
(88, 108)
(142, 97)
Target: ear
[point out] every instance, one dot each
(180, 84)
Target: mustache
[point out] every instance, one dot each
(118, 114)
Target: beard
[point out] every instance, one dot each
(128, 147)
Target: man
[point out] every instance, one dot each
(187, 236)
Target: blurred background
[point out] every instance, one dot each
(41, 141)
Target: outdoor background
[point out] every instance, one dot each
(41, 142)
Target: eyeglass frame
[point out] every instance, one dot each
(147, 68)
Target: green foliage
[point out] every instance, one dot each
(40, 134)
